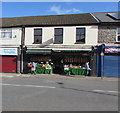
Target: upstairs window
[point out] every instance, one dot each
(58, 36)
(6, 33)
(118, 34)
(37, 36)
(80, 35)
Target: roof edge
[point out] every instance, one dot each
(95, 18)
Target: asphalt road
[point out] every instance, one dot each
(58, 94)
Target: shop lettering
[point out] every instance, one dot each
(112, 50)
(9, 51)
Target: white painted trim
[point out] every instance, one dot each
(8, 46)
(68, 49)
(117, 34)
(39, 48)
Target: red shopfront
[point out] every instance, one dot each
(8, 60)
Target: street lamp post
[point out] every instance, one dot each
(102, 60)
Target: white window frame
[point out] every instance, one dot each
(117, 34)
(40, 36)
(80, 42)
(58, 35)
(6, 30)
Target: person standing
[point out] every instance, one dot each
(34, 66)
(32, 70)
(87, 68)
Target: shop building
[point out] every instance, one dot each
(61, 39)
(10, 49)
(107, 65)
(9, 59)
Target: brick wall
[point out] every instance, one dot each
(107, 34)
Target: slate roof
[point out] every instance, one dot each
(104, 17)
(50, 20)
(60, 20)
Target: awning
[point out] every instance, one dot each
(38, 51)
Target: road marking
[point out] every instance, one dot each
(28, 85)
(106, 91)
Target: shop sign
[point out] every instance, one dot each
(8, 51)
(112, 50)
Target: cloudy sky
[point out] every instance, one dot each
(18, 9)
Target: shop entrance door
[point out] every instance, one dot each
(57, 59)
(8, 64)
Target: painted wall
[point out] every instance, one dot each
(69, 35)
(15, 40)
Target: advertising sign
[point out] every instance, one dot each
(112, 50)
(8, 51)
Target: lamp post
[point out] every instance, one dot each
(23, 49)
(102, 59)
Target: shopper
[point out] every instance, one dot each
(34, 66)
(87, 68)
(32, 70)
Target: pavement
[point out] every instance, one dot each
(59, 76)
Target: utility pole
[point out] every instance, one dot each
(22, 48)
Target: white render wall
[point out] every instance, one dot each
(15, 40)
(69, 35)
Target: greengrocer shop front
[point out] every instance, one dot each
(59, 59)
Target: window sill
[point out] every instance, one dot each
(36, 43)
(118, 42)
(6, 38)
(57, 43)
(79, 43)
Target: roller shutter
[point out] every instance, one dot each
(111, 66)
(8, 64)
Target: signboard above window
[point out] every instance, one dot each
(112, 50)
(8, 51)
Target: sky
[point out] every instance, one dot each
(19, 9)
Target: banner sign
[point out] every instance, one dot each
(8, 51)
(112, 49)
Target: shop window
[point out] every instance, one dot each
(37, 36)
(80, 35)
(118, 35)
(58, 36)
(6, 33)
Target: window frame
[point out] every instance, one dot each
(55, 35)
(4, 32)
(117, 34)
(80, 42)
(38, 35)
